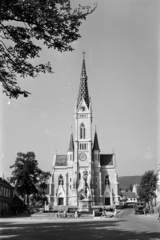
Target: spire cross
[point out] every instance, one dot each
(83, 55)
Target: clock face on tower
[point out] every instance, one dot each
(82, 156)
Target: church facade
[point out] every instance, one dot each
(84, 173)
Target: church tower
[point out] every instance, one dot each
(83, 130)
(83, 176)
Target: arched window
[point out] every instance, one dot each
(60, 180)
(82, 131)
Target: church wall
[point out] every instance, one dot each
(97, 186)
(72, 196)
(113, 184)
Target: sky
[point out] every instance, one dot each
(121, 42)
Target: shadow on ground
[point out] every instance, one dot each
(71, 230)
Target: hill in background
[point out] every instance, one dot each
(125, 182)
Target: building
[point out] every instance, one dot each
(6, 196)
(130, 197)
(84, 173)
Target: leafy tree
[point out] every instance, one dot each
(25, 175)
(24, 24)
(147, 187)
(43, 179)
(38, 200)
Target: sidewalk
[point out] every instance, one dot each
(27, 217)
(153, 215)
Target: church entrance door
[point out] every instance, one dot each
(107, 201)
(60, 201)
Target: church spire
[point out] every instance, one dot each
(83, 88)
(71, 144)
(96, 145)
(83, 73)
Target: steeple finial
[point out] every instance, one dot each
(83, 73)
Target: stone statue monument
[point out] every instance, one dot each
(84, 192)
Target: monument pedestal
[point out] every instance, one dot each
(84, 205)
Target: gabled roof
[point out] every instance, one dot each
(61, 160)
(83, 88)
(5, 183)
(96, 145)
(129, 194)
(106, 159)
(71, 144)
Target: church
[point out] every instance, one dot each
(83, 173)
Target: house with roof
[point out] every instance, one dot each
(83, 162)
(130, 197)
(6, 196)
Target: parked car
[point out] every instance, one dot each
(139, 207)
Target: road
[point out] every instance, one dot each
(126, 226)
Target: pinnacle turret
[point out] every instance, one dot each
(71, 144)
(83, 88)
(96, 145)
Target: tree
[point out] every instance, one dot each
(26, 23)
(25, 175)
(147, 187)
(43, 179)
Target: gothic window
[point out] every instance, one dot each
(60, 180)
(82, 131)
(79, 175)
(83, 146)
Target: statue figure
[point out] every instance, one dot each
(83, 189)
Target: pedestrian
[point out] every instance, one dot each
(144, 210)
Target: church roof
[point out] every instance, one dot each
(96, 145)
(106, 159)
(71, 144)
(61, 160)
(83, 88)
